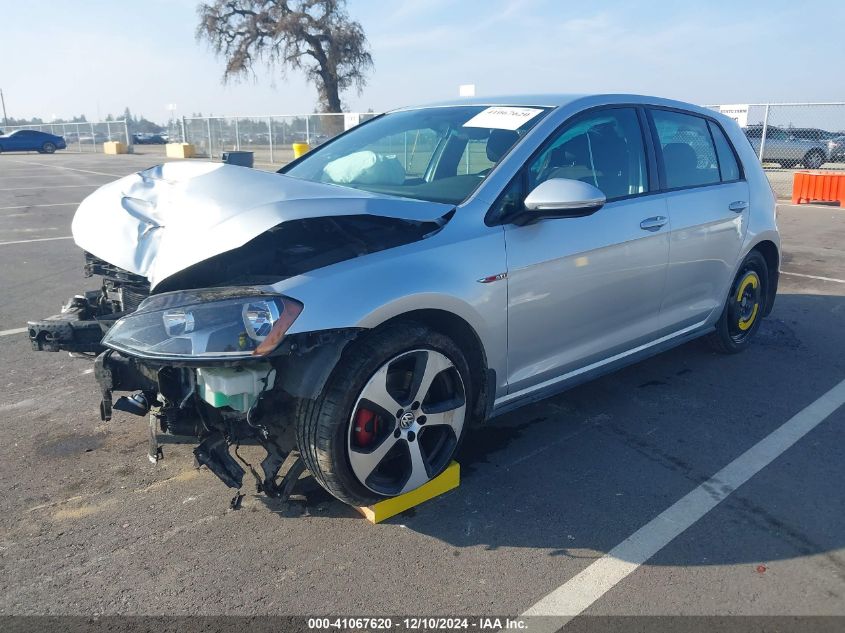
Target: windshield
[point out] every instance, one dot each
(435, 154)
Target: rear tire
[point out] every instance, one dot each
(743, 309)
(813, 159)
(360, 451)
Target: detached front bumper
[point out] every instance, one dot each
(75, 329)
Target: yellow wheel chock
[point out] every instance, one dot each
(445, 481)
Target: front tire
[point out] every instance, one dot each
(743, 310)
(48, 148)
(391, 416)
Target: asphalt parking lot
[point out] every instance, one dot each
(89, 526)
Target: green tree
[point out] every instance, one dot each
(314, 36)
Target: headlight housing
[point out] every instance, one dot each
(215, 324)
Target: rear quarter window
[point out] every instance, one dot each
(728, 166)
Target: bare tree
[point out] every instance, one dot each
(315, 36)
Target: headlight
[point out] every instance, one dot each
(259, 317)
(178, 321)
(222, 324)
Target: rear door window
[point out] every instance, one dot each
(689, 156)
(728, 167)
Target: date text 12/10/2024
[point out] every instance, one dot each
(417, 623)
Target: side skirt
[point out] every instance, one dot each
(510, 402)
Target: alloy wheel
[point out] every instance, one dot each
(406, 423)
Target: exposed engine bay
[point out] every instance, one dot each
(215, 365)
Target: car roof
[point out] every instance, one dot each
(565, 99)
(544, 100)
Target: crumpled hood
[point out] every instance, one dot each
(172, 216)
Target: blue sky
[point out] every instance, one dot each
(98, 56)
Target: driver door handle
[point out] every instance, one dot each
(738, 207)
(653, 224)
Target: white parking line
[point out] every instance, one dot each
(29, 229)
(788, 203)
(30, 175)
(17, 330)
(37, 206)
(585, 588)
(50, 187)
(40, 239)
(838, 281)
(84, 171)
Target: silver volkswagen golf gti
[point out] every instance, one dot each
(416, 276)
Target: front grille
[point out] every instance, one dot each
(132, 296)
(96, 266)
(125, 290)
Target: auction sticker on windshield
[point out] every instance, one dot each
(503, 117)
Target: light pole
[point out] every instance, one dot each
(3, 101)
(171, 124)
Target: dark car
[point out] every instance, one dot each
(31, 141)
(148, 139)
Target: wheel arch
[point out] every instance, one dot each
(770, 253)
(467, 339)
(304, 375)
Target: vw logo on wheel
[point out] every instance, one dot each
(407, 419)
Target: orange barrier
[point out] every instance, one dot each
(815, 187)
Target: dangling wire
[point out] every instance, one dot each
(250, 411)
(259, 482)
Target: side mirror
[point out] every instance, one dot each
(560, 198)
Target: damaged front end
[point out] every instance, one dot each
(85, 318)
(186, 323)
(216, 365)
(240, 387)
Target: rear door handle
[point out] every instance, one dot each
(653, 224)
(738, 207)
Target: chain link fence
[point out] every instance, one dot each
(87, 136)
(270, 137)
(792, 136)
(785, 136)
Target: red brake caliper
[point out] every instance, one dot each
(366, 427)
